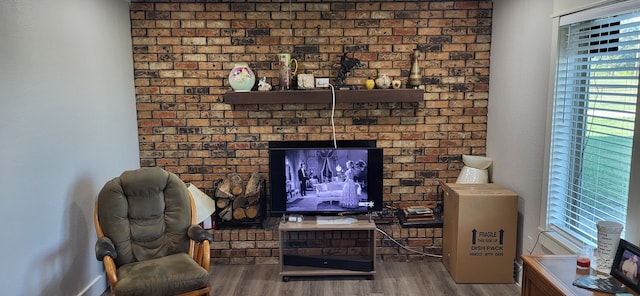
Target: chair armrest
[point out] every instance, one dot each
(196, 233)
(199, 247)
(105, 247)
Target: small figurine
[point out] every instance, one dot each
(396, 84)
(346, 65)
(370, 83)
(383, 81)
(263, 85)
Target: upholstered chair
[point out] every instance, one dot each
(147, 238)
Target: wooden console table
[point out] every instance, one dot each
(551, 275)
(294, 265)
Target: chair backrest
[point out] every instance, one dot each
(146, 214)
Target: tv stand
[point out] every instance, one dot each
(327, 265)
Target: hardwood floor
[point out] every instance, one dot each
(420, 278)
(392, 279)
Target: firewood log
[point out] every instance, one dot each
(252, 212)
(226, 214)
(222, 203)
(224, 189)
(239, 202)
(253, 185)
(253, 198)
(236, 184)
(239, 214)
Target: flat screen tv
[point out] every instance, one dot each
(316, 178)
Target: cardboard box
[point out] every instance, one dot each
(479, 232)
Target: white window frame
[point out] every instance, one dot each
(555, 242)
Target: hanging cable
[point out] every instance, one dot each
(333, 111)
(290, 21)
(405, 247)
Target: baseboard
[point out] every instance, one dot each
(96, 288)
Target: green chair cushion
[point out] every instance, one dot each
(146, 214)
(170, 275)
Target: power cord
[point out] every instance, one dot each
(535, 244)
(405, 247)
(335, 145)
(333, 111)
(537, 240)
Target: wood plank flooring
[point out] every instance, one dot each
(420, 278)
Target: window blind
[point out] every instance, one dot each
(593, 119)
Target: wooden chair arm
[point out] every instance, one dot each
(206, 255)
(202, 254)
(109, 264)
(110, 269)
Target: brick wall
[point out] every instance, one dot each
(184, 50)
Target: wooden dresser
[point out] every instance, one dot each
(553, 275)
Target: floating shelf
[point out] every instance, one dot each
(320, 96)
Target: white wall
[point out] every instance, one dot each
(67, 125)
(518, 86)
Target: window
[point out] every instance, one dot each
(594, 107)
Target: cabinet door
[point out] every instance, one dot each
(535, 283)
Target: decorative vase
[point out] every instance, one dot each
(475, 170)
(370, 83)
(415, 78)
(383, 81)
(286, 73)
(242, 78)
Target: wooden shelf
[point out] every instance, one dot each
(321, 96)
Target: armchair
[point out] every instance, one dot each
(147, 236)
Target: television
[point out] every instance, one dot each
(325, 178)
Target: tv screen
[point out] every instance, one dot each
(317, 178)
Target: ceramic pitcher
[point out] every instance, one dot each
(285, 70)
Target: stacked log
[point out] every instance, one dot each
(236, 200)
